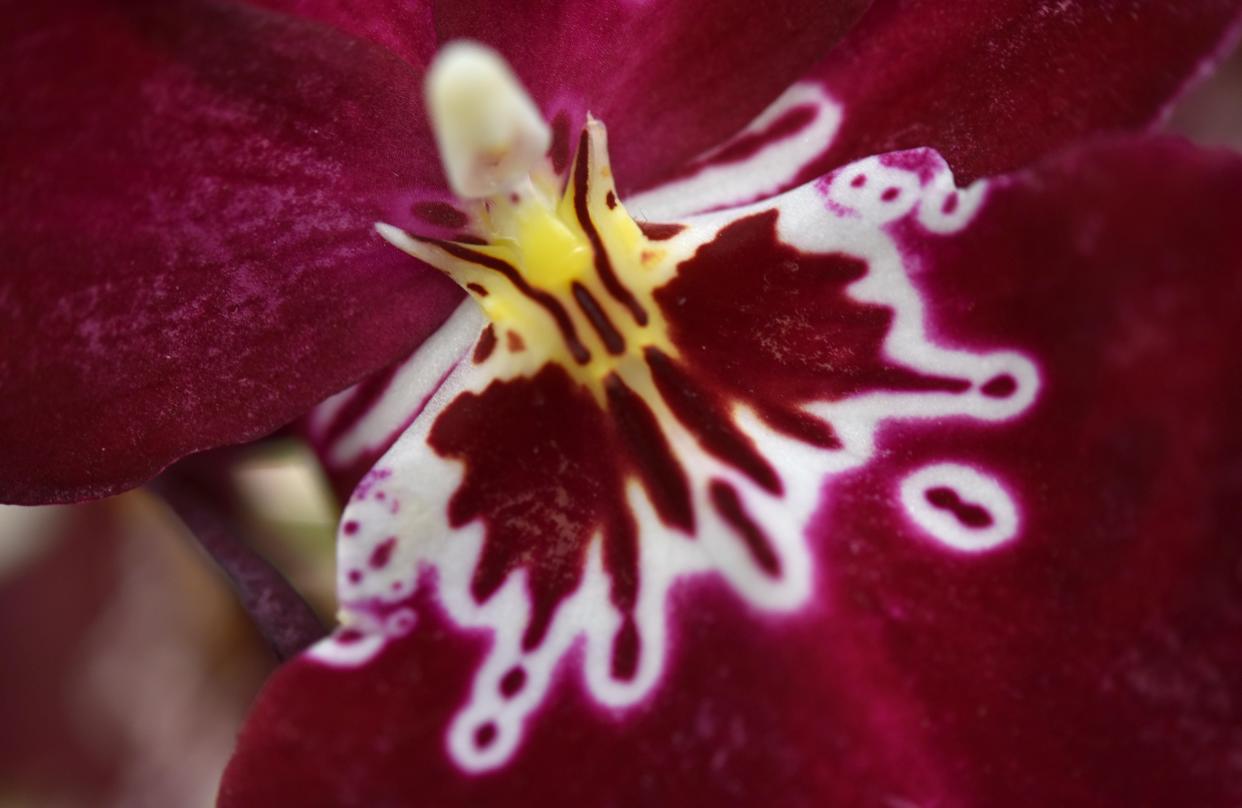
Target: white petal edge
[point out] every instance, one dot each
(769, 170)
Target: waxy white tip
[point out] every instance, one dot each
(402, 241)
(394, 236)
(489, 131)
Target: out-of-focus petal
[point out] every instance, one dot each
(188, 254)
(1040, 610)
(128, 665)
(1209, 113)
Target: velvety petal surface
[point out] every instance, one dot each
(991, 85)
(1038, 607)
(404, 27)
(187, 234)
(672, 78)
(994, 86)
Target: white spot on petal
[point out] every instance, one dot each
(960, 507)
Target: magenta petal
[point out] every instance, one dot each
(1092, 658)
(405, 27)
(187, 235)
(992, 85)
(671, 79)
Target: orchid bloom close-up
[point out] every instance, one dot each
(787, 404)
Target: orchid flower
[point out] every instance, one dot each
(821, 425)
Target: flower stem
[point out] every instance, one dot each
(278, 611)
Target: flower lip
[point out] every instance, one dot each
(644, 409)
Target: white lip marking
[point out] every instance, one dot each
(970, 488)
(768, 171)
(823, 218)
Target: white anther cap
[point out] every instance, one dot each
(488, 129)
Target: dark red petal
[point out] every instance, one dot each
(671, 79)
(1092, 657)
(994, 84)
(1100, 656)
(186, 227)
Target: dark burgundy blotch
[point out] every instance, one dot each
(1000, 386)
(764, 324)
(657, 231)
(512, 682)
(535, 474)
(486, 344)
(729, 505)
(485, 735)
(946, 499)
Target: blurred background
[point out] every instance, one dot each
(128, 664)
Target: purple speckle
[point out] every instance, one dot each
(367, 483)
(950, 203)
(349, 635)
(355, 576)
(890, 193)
(922, 162)
(859, 181)
(382, 553)
(350, 528)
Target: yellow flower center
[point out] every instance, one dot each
(564, 275)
